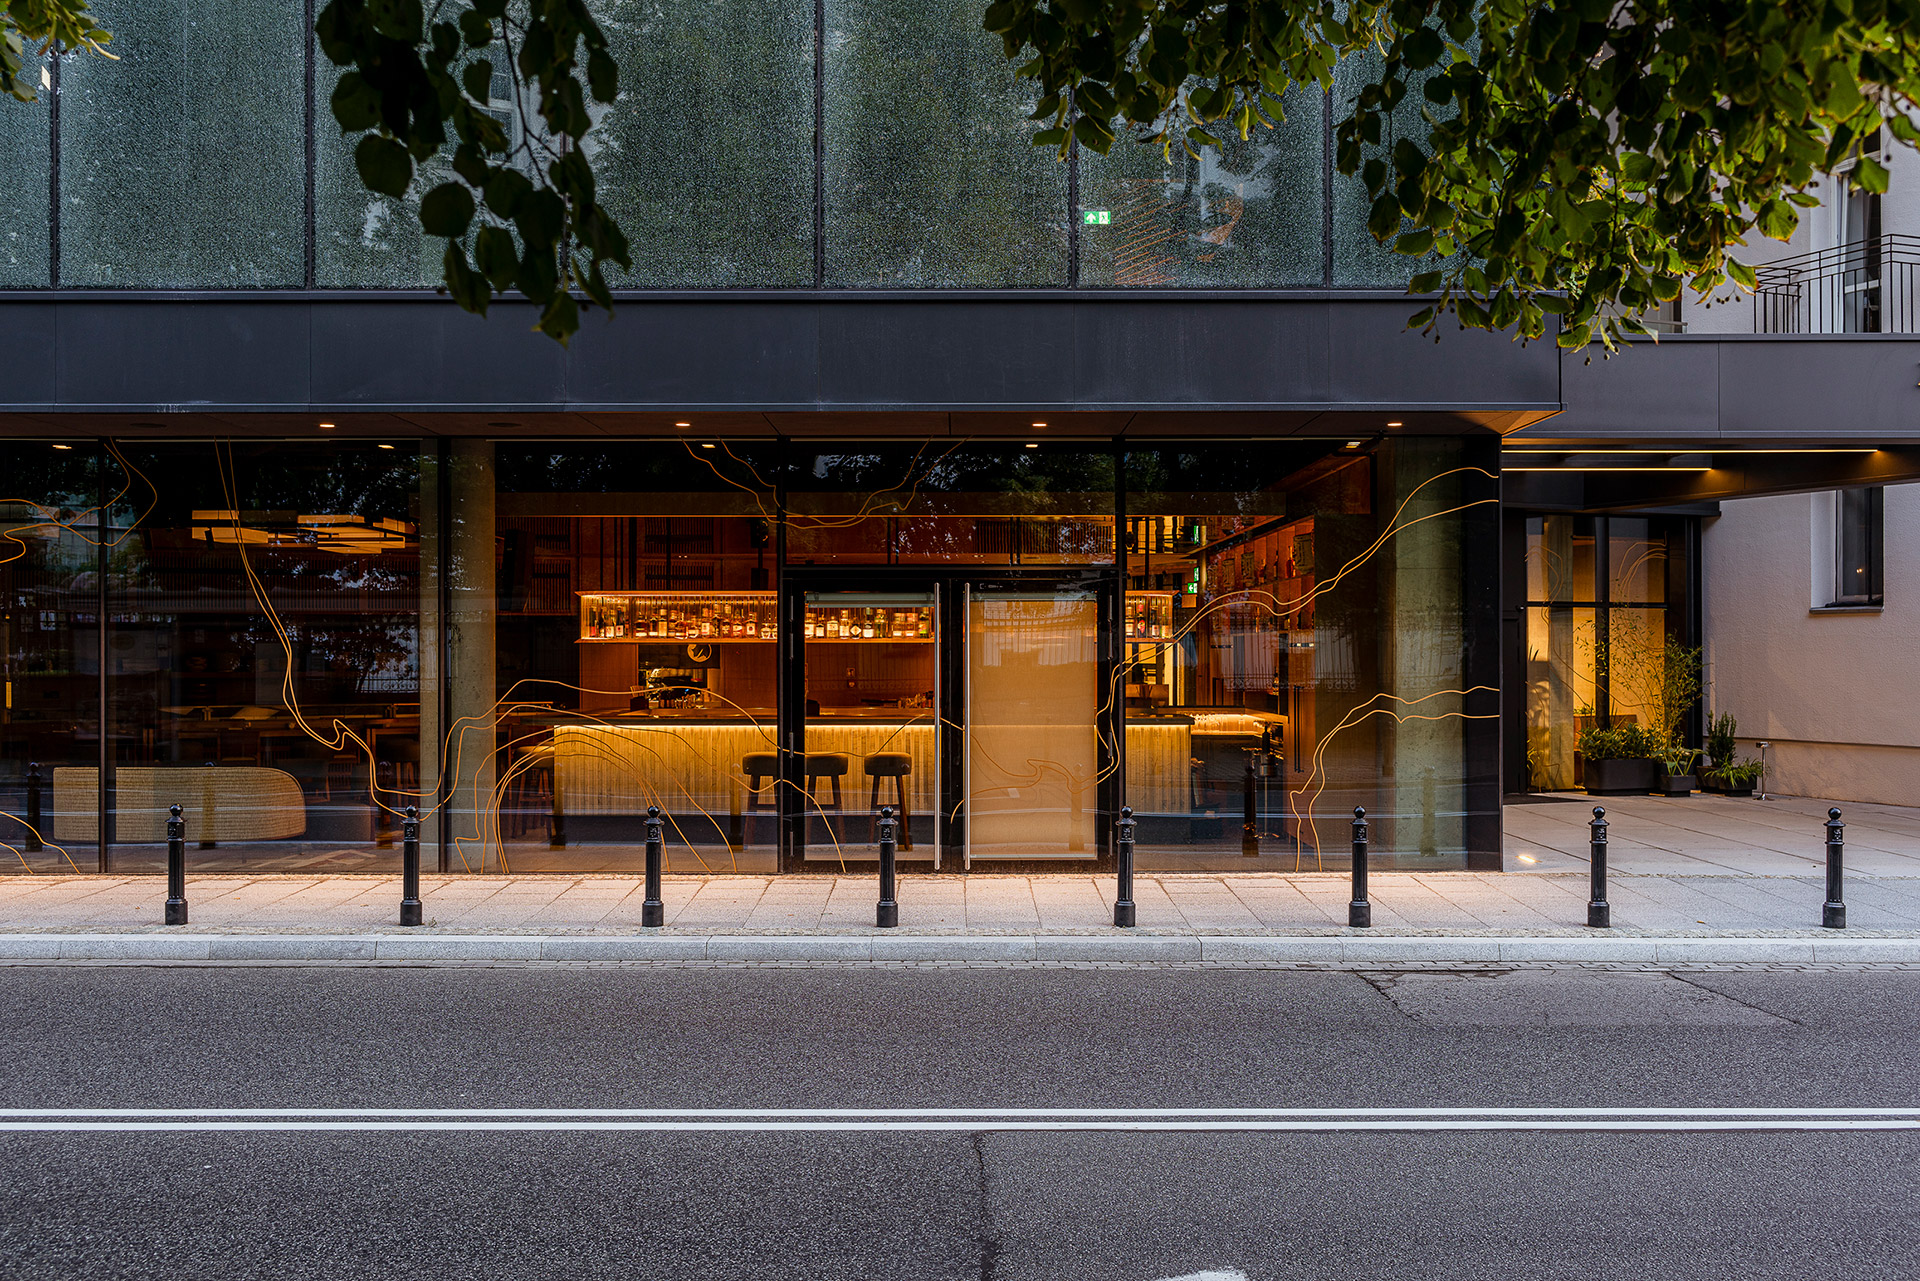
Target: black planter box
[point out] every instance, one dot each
(1621, 778)
(1714, 783)
(1676, 785)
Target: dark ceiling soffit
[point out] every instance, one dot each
(707, 423)
(1731, 477)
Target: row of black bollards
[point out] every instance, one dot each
(1833, 913)
(410, 906)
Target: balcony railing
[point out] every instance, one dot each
(1866, 287)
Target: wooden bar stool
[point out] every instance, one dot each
(828, 765)
(897, 766)
(756, 766)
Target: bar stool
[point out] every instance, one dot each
(829, 765)
(532, 785)
(756, 766)
(897, 766)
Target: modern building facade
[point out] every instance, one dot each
(916, 468)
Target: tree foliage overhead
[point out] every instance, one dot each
(49, 25)
(1586, 158)
(520, 210)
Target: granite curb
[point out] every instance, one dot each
(1147, 948)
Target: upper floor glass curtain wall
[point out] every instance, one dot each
(767, 144)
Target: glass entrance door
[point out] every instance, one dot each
(870, 661)
(1033, 760)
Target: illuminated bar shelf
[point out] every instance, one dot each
(638, 618)
(874, 625)
(1149, 618)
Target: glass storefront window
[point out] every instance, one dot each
(1294, 648)
(55, 532)
(535, 642)
(263, 656)
(634, 656)
(939, 503)
(1593, 657)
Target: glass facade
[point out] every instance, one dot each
(535, 642)
(1248, 215)
(755, 144)
(182, 163)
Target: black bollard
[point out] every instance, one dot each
(33, 808)
(653, 911)
(410, 868)
(176, 868)
(1599, 914)
(1123, 901)
(1833, 913)
(1249, 814)
(886, 913)
(1360, 911)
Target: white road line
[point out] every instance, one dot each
(965, 1120)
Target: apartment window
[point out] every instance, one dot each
(1858, 544)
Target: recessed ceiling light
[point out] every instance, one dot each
(1031, 445)
(326, 426)
(706, 444)
(683, 424)
(1353, 444)
(1039, 424)
(63, 446)
(1396, 424)
(386, 446)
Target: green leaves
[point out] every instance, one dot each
(1570, 163)
(384, 165)
(49, 24)
(522, 199)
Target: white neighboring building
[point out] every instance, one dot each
(1807, 655)
(1808, 661)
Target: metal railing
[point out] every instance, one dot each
(1866, 287)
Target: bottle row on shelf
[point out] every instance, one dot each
(629, 618)
(915, 624)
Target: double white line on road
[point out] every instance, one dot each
(912, 1120)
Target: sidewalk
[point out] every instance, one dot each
(1426, 917)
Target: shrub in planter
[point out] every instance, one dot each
(1720, 749)
(1619, 759)
(1736, 779)
(1676, 778)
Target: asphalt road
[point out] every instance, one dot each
(999, 1203)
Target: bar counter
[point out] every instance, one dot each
(693, 760)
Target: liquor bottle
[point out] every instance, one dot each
(593, 621)
(926, 624)
(867, 630)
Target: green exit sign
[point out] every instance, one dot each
(1095, 217)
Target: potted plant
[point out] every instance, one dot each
(1720, 748)
(1677, 777)
(1737, 779)
(1619, 760)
